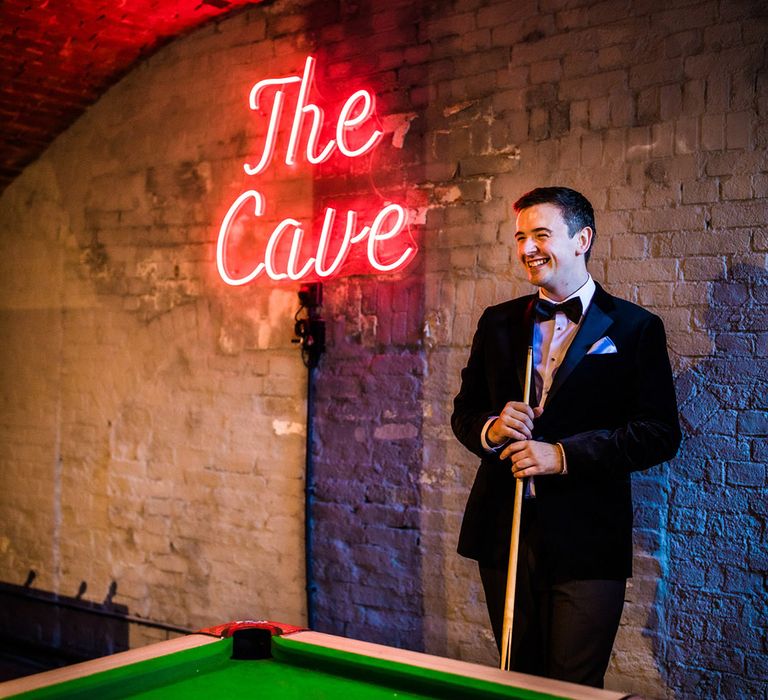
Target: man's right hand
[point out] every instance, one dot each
(515, 422)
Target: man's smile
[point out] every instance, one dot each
(537, 262)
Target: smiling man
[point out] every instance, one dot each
(602, 406)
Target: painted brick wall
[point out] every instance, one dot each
(153, 423)
(657, 111)
(128, 368)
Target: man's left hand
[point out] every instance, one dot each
(532, 458)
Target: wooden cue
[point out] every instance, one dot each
(514, 543)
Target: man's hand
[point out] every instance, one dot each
(515, 422)
(532, 458)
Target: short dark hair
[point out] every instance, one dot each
(575, 207)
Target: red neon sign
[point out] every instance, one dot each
(389, 222)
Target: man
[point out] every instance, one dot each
(604, 406)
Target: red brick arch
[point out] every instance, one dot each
(58, 56)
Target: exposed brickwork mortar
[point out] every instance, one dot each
(181, 405)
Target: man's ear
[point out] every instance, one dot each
(583, 240)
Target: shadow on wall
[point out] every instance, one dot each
(40, 630)
(712, 601)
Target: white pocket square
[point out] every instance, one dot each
(604, 346)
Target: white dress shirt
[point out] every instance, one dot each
(551, 340)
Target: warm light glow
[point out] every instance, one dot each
(347, 123)
(304, 108)
(272, 247)
(376, 233)
(322, 244)
(274, 119)
(284, 255)
(224, 234)
(262, 84)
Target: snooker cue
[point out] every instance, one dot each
(514, 543)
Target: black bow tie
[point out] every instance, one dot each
(546, 310)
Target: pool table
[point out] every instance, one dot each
(265, 659)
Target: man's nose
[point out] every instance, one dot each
(528, 246)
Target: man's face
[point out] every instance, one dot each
(550, 257)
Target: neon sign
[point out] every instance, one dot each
(353, 118)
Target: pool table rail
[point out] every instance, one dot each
(391, 667)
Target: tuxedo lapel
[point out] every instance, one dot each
(595, 324)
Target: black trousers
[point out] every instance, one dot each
(562, 629)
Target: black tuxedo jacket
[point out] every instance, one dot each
(612, 413)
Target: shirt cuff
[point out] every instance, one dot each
(564, 470)
(487, 446)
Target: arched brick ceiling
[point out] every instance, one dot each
(58, 56)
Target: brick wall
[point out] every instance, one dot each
(153, 423)
(128, 368)
(56, 60)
